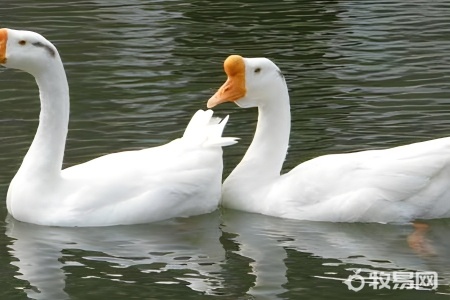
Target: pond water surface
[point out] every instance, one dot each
(362, 75)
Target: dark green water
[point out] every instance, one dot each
(362, 75)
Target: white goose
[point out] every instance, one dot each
(182, 178)
(393, 185)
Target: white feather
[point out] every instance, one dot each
(392, 185)
(179, 179)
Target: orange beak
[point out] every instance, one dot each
(234, 88)
(3, 40)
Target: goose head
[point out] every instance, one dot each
(26, 50)
(251, 82)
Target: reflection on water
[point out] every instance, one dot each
(196, 254)
(378, 245)
(173, 252)
(361, 76)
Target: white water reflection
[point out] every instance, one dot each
(379, 247)
(42, 254)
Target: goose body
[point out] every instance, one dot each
(179, 179)
(392, 185)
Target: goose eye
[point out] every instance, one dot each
(257, 70)
(22, 42)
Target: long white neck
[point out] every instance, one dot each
(267, 152)
(45, 156)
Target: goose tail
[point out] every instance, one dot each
(207, 130)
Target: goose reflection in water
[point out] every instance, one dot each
(268, 242)
(197, 251)
(191, 246)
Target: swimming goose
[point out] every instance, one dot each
(392, 185)
(181, 178)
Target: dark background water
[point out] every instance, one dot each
(361, 74)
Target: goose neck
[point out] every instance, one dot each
(268, 149)
(46, 152)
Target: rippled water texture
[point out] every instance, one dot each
(361, 74)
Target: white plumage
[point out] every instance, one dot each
(393, 185)
(181, 178)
